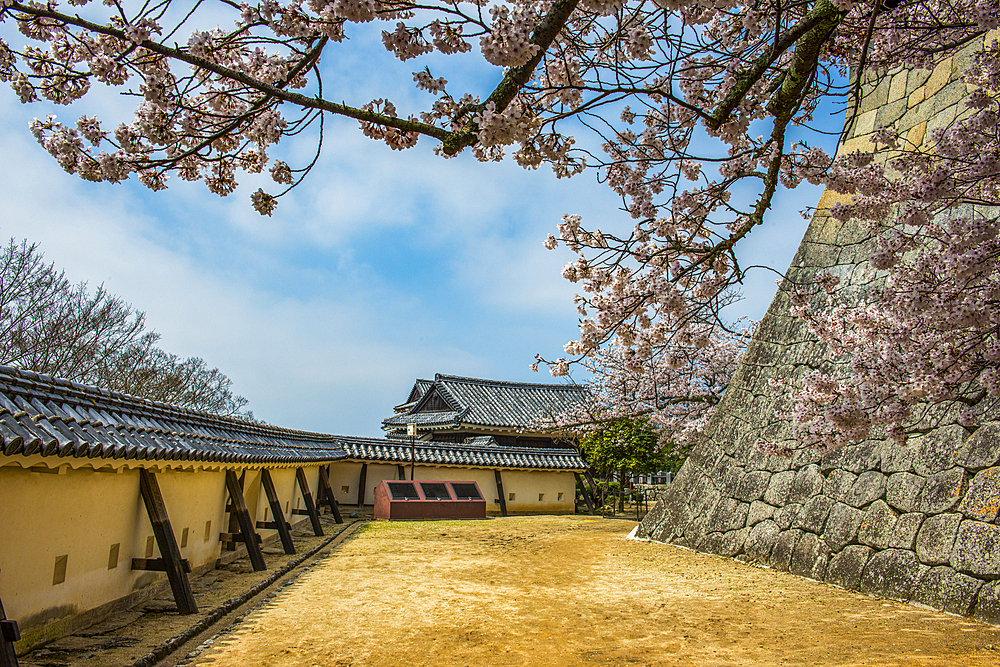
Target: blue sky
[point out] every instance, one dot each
(382, 267)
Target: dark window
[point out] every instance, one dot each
(403, 491)
(466, 492)
(435, 491)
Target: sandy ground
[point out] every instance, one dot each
(131, 634)
(573, 591)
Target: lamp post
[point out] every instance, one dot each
(411, 430)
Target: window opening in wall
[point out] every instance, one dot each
(184, 538)
(113, 556)
(149, 547)
(286, 507)
(266, 512)
(541, 497)
(560, 496)
(510, 496)
(297, 502)
(59, 572)
(208, 530)
(345, 489)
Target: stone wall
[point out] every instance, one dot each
(917, 523)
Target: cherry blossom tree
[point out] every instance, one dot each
(51, 326)
(671, 394)
(695, 113)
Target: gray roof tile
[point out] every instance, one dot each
(52, 417)
(490, 402)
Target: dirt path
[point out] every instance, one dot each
(572, 591)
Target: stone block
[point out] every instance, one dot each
(939, 78)
(952, 94)
(810, 557)
(916, 97)
(853, 458)
(759, 511)
(936, 538)
(784, 546)
(943, 491)
(778, 488)
(722, 515)
(760, 542)
(786, 515)
(902, 491)
(753, 485)
(988, 604)
(703, 497)
(904, 533)
(672, 513)
(842, 526)
(777, 463)
(813, 514)
(705, 456)
(808, 481)
(877, 525)
(977, 550)
(891, 112)
(897, 86)
(727, 475)
(697, 529)
(838, 484)
(892, 574)
(936, 451)
(943, 588)
(867, 488)
(846, 567)
(894, 458)
(916, 134)
(982, 449)
(726, 544)
(982, 500)
(803, 457)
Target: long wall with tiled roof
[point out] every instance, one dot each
(71, 459)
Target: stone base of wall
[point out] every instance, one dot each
(916, 524)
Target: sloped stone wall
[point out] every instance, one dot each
(916, 523)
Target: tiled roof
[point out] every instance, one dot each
(53, 417)
(447, 453)
(492, 402)
(427, 418)
(44, 416)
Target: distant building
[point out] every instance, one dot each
(450, 408)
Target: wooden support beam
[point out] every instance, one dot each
(9, 633)
(326, 493)
(280, 524)
(400, 472)
(165, 540)
(157, 564)
(272, 525)
(503, 498)
(583, 490)
(300, 477)
(362, 481)
(248, 535)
